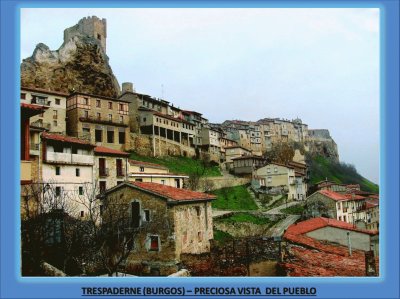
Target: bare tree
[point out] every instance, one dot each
(194, 177)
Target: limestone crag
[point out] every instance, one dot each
(322, 144)
(80, 64)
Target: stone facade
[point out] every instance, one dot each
(168, 230)
(102, 121)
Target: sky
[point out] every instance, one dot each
(321, 65)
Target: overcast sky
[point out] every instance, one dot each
(321, 65)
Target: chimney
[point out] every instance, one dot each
(127, 87)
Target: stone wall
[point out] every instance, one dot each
(214, 183)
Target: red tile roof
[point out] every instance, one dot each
(311, 257)
(320, 222)
(372, 203)
(172, 118)
(158, 173)
(339, 196)
(33, 106)
(66, 139)
(148, 164)
(109, 151)
(172, 193)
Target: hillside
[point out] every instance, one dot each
(181, 165)
(322, 168)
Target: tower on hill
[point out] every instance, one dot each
(89, 26)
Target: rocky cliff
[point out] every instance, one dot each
(322, 144)
(80, 64)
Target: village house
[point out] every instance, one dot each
(339, 206)
(327, 247)
(111, 167)
(139, 171)
(367, 216)
(232, 152)
(275, 175)
(168, 128)
(101, 120)
(165, 222)
(53, 118)
(66, 167)
(211, 142)
(199, 122)
(245, 165)
(28, 164)
(331, 186)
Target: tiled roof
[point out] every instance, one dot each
(371, 203)
(297, 164)
(339, 196)
(109, 151)
(33, 107)
(316, 223)
(158, 173)
(147, 164)
(310, 257)
(172, 118)
(237, 146)
(172, 193)
(67, 139)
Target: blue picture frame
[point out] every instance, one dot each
(384, 286)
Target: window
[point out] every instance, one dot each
(276, 169)
(98, 135)
(55, 123)
(86, 113)
(58, 170)
(199, 236)
(135, 214)
(141, 169)
(177, 183)
(98, 116)
(121, 137)
(80, 190)
(86, 101)
(102, 167)
(138, 180)
(154, 246)
(110, 117)
(146, 215)
(101, 210)
(119, 167)
(98, 103)
(198, 211)
(98, 36)
(163, 182)
(110, 136)
(58, 102)
(109, 105)
(58, 191)
(23, 96)
(121, 107)
(144, 119)
(58, 148)
(102, 186)
(121, 119)
(77, 172)
(82, 213)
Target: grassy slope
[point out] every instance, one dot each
(182, 165)
(322, 168)
(234, 198)
(246, 217)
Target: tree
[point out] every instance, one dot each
(281, 152)
(194, 177)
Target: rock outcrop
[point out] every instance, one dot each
(322, 144)
(80, 64)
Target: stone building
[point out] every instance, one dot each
(140, 171)
(232, 152)
(245, 165)
(165, 222)
(91, 27)
(339, 206)
(101, 120)
(111, 167)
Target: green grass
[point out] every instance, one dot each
(246, 217)
(182, 165)
(221, 236)
(341, 173)
(294, 210)
(234, 198)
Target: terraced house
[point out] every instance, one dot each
(101, 120)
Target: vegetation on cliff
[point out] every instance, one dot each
(322, 168)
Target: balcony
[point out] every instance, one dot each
(40, 101)
(26, 170)
(40, 124)
(68, 158)
(104, 172)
